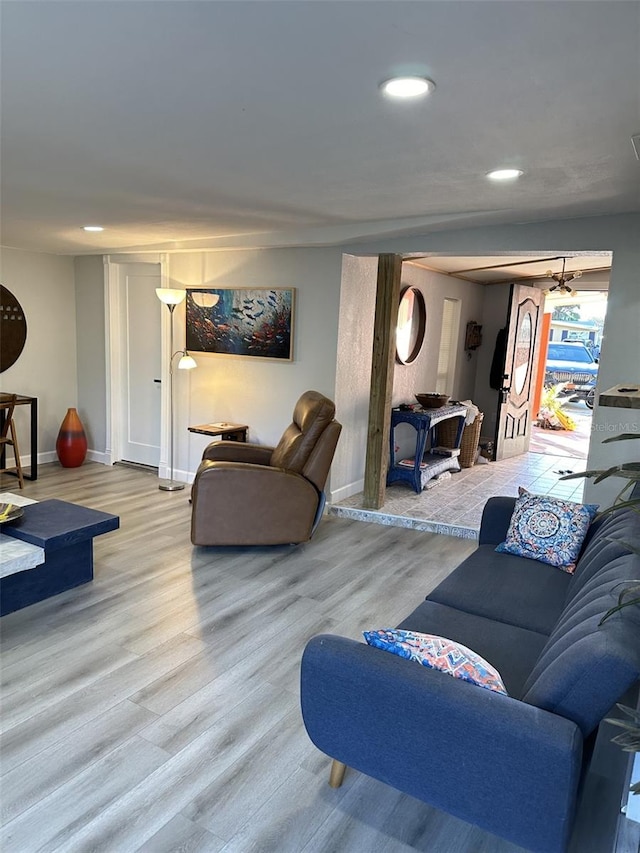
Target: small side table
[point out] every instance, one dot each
(423, 422)
(227, 432)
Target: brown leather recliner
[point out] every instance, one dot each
(249, 494)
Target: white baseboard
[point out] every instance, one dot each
(51, 456)
(98, 456)
(345, 492)
(178, 475)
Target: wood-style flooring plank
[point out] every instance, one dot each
(157, 708)
(180, 835)
(56, 821)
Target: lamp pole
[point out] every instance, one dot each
(171, 298)
(170, 485)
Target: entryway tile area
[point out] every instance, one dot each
(454, 504)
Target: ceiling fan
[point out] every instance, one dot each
(562, 280)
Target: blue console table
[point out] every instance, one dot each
(423, 421)
(64, 531)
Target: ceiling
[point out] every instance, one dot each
(595, 269)
(179, 124)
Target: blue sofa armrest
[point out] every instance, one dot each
(491, 760)
(495, 520)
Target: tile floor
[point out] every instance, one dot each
(454, 504)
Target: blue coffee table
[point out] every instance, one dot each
(65, 532)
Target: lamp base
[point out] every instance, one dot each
(170, 486)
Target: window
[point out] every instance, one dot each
(448, 346)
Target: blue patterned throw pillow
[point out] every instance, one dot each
(437, 653)
(548, 529)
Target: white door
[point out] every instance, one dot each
(140, 325)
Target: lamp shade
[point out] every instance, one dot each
(186, 362)
(205, 299)
(170, 296)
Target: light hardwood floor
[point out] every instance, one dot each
(156, 709)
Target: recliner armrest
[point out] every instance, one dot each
(237, 451)
(497, 762)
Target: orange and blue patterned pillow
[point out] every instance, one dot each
(437, 653)
(548, 529)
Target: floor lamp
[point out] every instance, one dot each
(171, 298)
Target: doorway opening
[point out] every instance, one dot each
(569, 369)
(482, 284)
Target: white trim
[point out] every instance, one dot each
(48, 456)
(97, 456)
(345, 492)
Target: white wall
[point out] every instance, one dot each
(355, 343)
(420, 376)
(44, 286)
(90, 330)
(257, 392)
(262, 394)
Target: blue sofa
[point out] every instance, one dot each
(509, 764)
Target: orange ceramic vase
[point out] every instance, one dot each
(71, 445)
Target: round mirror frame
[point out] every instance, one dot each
(413, 300)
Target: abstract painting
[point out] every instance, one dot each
(241, 321)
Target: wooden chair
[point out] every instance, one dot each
(8, 438)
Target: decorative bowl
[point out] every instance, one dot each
(432, 400)
(9, 512)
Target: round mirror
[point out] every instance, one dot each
(412, 322)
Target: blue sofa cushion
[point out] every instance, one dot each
(548, 529)
(513, 651)
(605, 542)
(439, 653)
(506, 588)
(585, 667)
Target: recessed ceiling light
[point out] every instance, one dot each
(92, 228)
(407, 87)
(505, 174)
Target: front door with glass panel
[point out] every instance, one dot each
(513, 422)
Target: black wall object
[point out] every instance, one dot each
(497, 363)
(13, 329)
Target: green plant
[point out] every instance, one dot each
(630, 472)
(629, 740)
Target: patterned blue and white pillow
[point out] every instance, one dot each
(548, 529)
(437, 653)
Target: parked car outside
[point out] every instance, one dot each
(570, 363)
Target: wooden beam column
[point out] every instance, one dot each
(382, 365)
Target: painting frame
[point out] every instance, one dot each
(241, 322)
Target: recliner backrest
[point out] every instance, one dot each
(311, 416)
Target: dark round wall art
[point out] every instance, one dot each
(13, 329)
